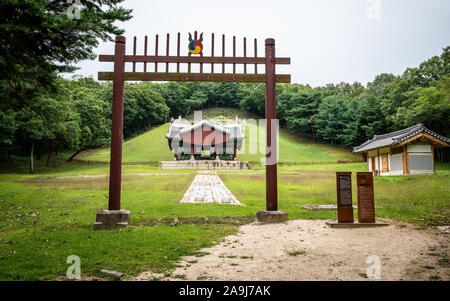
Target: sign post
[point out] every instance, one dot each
(344, 197)
(366, 202)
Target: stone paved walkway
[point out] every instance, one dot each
(207, 187)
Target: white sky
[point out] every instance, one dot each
(329, 41)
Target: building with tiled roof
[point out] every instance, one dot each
(205, 140)
(404, 152)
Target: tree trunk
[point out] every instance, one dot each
(31, 158)
(50, 151)
(187, 113)
(74, 155)
(39, 153)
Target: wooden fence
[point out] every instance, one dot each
(254, 163)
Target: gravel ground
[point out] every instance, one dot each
(310, 250)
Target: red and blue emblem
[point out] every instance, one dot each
(195, 45)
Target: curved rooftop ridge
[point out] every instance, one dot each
(177, 130)
(202, 123)
(399, 132)
(396, 137)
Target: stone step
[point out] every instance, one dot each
(205, 165)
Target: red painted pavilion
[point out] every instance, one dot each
(204, 140)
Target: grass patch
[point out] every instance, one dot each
(41, 254)
(423, 200)
(296, 252)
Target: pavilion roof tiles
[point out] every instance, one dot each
(178, 128)
(397, 137)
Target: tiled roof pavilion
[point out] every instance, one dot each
(398, 137)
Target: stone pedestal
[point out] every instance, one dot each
(205, 165)
(109, 219)
(266, 217)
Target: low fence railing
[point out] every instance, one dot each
(254, 163)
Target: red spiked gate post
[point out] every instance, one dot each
(271, 115)
(115, 172)
(271, 214)
(114, 216)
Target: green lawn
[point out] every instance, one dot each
(45, 219)
(291, 148)
(150, 146)
(153, 146)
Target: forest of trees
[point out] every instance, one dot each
(42, 113)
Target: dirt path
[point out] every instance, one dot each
(310, 250)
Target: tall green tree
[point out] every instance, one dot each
(39, 38)
(301, 111)
(196, 101)
(330, 119)
(48, 120)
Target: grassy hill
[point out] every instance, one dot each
(152, 145)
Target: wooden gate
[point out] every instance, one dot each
(269, 77)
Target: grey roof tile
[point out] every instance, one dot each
(396, 137)
(178, 129)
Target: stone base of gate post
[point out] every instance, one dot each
(268, 217)
(109, 219)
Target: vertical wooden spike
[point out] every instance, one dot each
(195, 38)
(178, 51)
(201, 55)
(195, 35)
(234, 53)
(167, 51)
(245, 54)
(212, 52)
(145, 52)
(256, 55)
(156, 51)
(134, 53)
(223, 52)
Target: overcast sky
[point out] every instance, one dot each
(329, 41)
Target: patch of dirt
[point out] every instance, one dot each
(82, 278)
(310, 250)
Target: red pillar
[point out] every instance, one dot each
(271, 114)
(115, 171)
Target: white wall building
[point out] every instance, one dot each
(405, 152)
